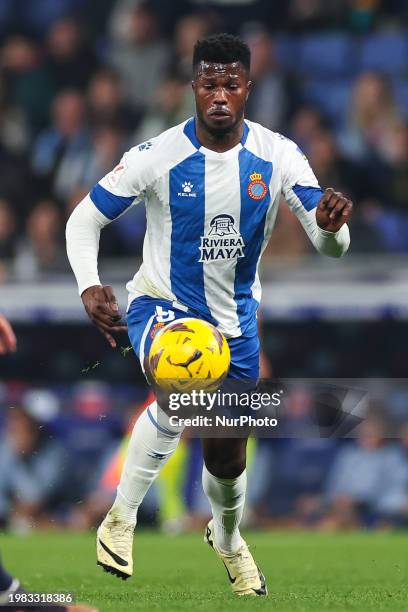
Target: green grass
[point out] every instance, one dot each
(305, 571)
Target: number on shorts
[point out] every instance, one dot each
(164, 316)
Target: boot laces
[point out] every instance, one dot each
(244, 563)
(122, 535)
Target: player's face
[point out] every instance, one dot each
(221, 91)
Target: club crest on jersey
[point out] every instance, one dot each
(257, 188)
(222, 241)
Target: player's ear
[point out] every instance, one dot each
(193, 84)
(248, 88)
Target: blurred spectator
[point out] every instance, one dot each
(363, 14)
(173, 105)
(13, 127)
(41, 253)
(33, 466)
(331, 168)
(118, 25)
(7, 239)
(188, 30)
(296, 464)
(29, 80)
(64, 145)
(15, 174)
(139, 56)
(90, 432)
(394, 188)
(304, 124)
(267, 103)
(94, 17)
(71, 60)
(34, 16)
(372, 115)
(369, 230)
(101, 490)
(393, 503)
(233, 13)
(314, 14)
(106, 104)
(358, 485)
(108, 146)
(7, 230)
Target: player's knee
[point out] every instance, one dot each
(226, 469)
(225, 458)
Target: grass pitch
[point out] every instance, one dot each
(305, 571)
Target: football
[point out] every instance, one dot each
(189, 354)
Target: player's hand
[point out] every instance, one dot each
(8, 342)
(333, 210)
(102, 308)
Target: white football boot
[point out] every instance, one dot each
(244, 575)
(114, 543)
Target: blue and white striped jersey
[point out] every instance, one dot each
(209, 216)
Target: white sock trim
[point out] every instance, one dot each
(161, 421)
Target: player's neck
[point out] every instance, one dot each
(219, 143)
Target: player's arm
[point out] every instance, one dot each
(324, 215)
(8, 342)
(82, 235)
(108, 200)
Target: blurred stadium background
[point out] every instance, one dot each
(81, 82)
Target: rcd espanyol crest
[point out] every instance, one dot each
(257, 188)
(223, 241)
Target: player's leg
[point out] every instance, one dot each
(224, 472)
(153, 442)
(225, 481)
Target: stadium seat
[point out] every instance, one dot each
(287, 51)
(386, 52)
(329, 55)
(331, 96)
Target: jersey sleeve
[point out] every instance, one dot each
(126, 184)
(300, 187)
(302, 192)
